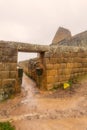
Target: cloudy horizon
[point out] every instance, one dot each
(36, 21)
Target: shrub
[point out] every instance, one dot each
(6, 126)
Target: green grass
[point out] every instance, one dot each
(6, 126)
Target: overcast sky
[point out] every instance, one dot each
(36, 21)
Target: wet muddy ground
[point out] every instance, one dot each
(55, 110)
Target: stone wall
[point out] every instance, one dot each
(61, 34)
(55, 65)
(8, 70)
(10, 76)
(60, 64)
(64, 63)
(64, 37)
(33, 68)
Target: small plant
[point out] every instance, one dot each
(6, 126)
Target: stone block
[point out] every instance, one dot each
(8, 82)
(57, 84)
(56, 66)
(13, 74)
(8, 59)
(3, 59)
(49, 86)
(83, 55)
(0, 83)
(80, 70)
(78, 59)
(53, 60)
(47, 60)
(68, 77)
(1, 66)
(71, 76)
(61, 71)
(8, 66)
(60, 60)
(52, 72)
(49, 66)
(63, 66)
(70, 60)
(0, 51)
(66, 54)
(4, 74)
(75, 70)
(61, 78)
(75, 65)
(84, 69)
(70, 65)
(9, 52)
(13, 66)
(12, 59)
(79, 65)
(65, 60)
(56, 78)
(0, 59)
(84, 64)
(68, 71)
(50, 79)
(86, 60)
(75, 74)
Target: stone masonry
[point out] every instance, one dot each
(10, 78)
(64, 60)
(61, 34)
(8, 70)
(64, 63)
(64, 37)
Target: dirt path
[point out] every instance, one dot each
(63, 124)
(35, 110)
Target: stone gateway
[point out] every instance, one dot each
(63, 60)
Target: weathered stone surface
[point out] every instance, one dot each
(13, 66)
(49, 66)
(7, 82)
(13, 74)
(9, 52)
(0, 83)
(4, 74)
(58, 63)
(61, 34)
(69, 65)
(65, 39)
(2, 67)
(52, 72)
(50, 79)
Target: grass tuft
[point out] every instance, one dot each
(6, 126)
